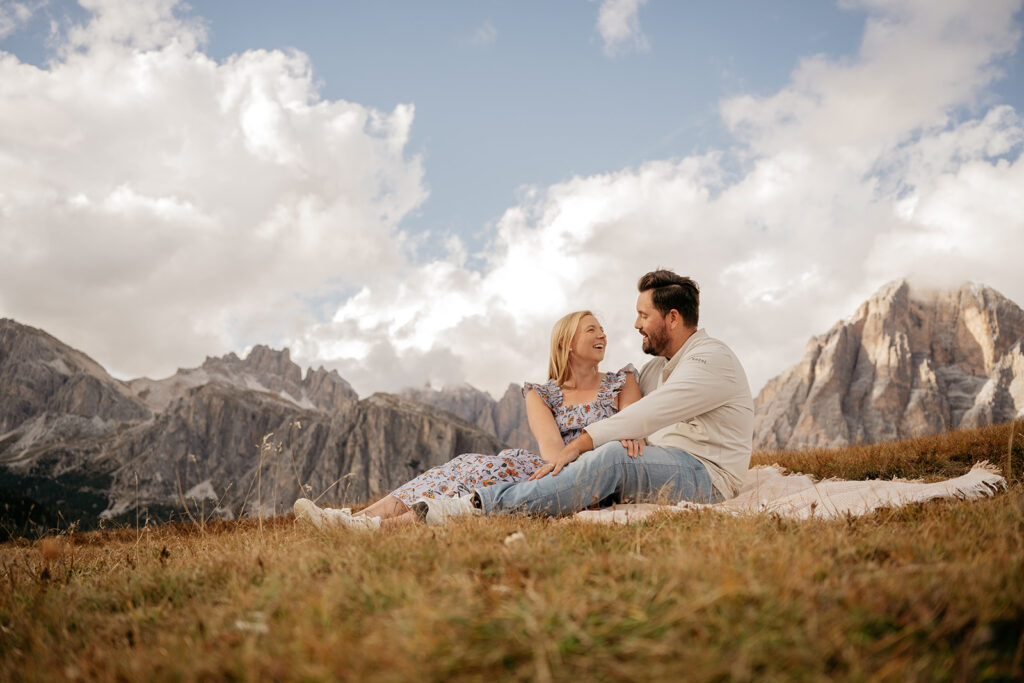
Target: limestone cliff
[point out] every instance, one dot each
(231, 437)
(505, 418)
(907, 363)
(39, 373)
(248, 452)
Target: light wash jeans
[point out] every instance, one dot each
(604, 476)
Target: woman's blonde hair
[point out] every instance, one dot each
(561, 340)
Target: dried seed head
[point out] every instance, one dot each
(51, 548)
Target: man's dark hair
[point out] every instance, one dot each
(669, 291)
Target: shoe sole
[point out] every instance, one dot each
(421, 509)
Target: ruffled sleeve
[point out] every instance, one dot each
(548, 391)
(630, 370)
(613, 382)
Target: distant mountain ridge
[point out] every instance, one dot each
(39, 374)
(263, 369)
(907, 363)
(78, 444)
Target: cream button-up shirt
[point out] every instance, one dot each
(698, 401)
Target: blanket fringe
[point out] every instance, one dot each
(988, 467)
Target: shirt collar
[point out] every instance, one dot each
(681, 353)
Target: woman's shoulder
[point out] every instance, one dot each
(549, 391)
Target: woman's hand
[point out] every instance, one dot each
(634, 447)
(543, 471)
(568, 454)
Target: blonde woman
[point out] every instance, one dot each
(575, 395)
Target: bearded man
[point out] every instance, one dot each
(689, 437)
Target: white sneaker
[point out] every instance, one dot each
(307, 512)
(437, 511)
(360, 522)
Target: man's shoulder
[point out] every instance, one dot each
(706, 344)
(714, 358)
(653, 365)
(705, 355)
(650, 374)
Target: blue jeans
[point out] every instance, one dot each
(604, 476)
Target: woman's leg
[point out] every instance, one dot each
(463, 473)
(385, 508)
(405, 519)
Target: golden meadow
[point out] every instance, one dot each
(929, 591)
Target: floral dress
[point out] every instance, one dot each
(470, 471)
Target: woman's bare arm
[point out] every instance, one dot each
(543, 427)
(630, 392)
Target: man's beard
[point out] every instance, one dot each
(655, 341)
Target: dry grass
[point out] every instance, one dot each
(930, 591)
(928, 457)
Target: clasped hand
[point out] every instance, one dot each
(634, 447)
(568, 454)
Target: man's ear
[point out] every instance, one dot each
(674, 319)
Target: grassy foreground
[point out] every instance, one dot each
(932, 591)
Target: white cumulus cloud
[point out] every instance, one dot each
(157, 205)
(618, 22)
(858, 171)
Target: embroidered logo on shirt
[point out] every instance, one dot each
(699, 360)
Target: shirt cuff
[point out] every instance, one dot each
(596, 435)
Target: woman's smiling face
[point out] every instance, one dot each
(589, 341)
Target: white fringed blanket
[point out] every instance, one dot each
(798, 496)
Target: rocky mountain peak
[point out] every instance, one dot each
(974, 319)
(265, 360)
(263, 369)
(239, 436)
(910, 361)
(40, 374)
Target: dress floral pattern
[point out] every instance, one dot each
(469, 471)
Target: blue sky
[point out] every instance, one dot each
(560, 105)
(414, 192)
(535, 71)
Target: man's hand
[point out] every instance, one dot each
(634, 447)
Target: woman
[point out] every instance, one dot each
(576, 395)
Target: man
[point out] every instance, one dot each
(696, 415)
